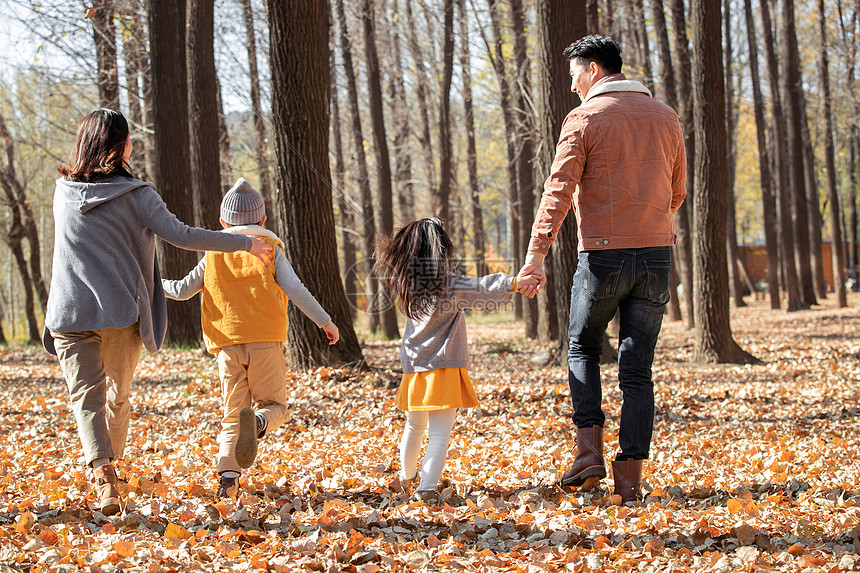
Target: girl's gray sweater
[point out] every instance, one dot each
(439, 341)
(104, 272)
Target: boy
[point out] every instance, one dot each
(244, 319)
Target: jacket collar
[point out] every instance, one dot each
(615, 83)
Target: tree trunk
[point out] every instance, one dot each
(383, 162)
(522, 99)
(794, 135)
(134, 54)
(641, 34)
(261, 149)
(446, 186)
(104, 34)
(496, 55)
(172, 165)
(299, 33)
(683, 219)
(735, 284)
(471, 146)
(421, 89)
(713, 336)
(345, 207)
(402, 132)
(765, 176)
(592, 12)
(667, 79)
(780, 147)
(372, 287)
(557, 22)
(224, 153)
(203, 113)
(838, 250)
(813, 206)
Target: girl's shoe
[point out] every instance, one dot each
(106, 487)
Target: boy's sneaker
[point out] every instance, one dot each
(227, 487)
(251, 427)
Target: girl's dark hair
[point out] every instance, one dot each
(415, 264)
(99, 147)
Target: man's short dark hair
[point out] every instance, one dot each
(602, 50)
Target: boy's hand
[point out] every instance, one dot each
(331, 332)
(261, 250)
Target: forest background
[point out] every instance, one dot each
(409, 109)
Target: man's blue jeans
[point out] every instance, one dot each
(636, 283)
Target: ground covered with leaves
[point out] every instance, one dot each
(753, 468)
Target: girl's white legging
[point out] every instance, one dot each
(440, 423)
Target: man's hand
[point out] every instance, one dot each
(261, 250)
(525, 277)
(331, 332)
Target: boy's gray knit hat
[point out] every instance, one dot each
(242, 205)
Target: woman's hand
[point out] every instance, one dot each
(261, 250)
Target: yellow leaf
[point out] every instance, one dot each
(734, 506)
(124, 548)
(174, 531)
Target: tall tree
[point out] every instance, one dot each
(813, 208)
(372, 286)
(522, 98)
(838, 251)
(667, 80)
(135, 57)
(104, 33)
(640, 32)
(446, 183)
(399, 110)
(735, 284)
(768, 203)
(474, 194)
(683, 218)
(559, 22)
(780, 151)
(299, 33)
(172, 165)
(713, 335)
(261, 148)
(794, 137)
(422, 90)
(22, 228)
(496, 54)
(383, 162)
(203, 112)
(344, 206)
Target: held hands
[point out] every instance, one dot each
(531, 279)
(261, 250)
(331, 332)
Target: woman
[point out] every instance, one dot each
(106, 299)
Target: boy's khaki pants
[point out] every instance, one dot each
(250, 373)
(98, 366)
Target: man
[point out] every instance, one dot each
(620, 161)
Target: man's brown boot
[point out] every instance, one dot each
(106, 487)
(628, 478)
(589, 458)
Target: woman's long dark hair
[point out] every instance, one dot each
(415, 264)
(99, 147)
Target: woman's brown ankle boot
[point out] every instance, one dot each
(106, 487)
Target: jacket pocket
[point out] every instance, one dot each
(601, 276)
(657, 287)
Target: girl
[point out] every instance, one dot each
(106, 299)
(417, 265)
